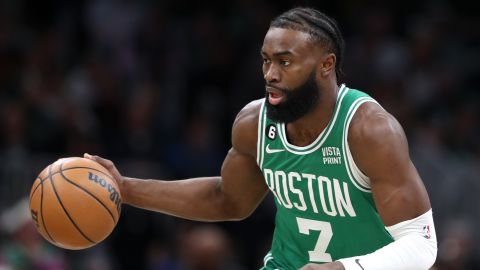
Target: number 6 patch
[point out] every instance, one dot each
(272, 132)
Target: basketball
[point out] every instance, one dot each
(75, 203)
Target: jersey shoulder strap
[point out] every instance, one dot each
(261, 134)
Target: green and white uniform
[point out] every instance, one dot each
(325, 209)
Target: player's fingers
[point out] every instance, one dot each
(103, 161)
(86, 155)
(108, 164)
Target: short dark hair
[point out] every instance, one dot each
(321, 28)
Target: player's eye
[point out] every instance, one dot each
(285, 63)
(266, 61)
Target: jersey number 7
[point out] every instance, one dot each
(318, 254)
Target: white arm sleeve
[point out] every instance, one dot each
(415, 247)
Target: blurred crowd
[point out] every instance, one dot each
(155, 86)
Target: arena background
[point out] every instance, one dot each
(155, 85)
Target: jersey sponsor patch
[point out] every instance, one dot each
(331, 155)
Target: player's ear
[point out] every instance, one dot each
(327, 64)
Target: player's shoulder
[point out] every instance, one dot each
(245, 127)
(248, 115)
(373, 125)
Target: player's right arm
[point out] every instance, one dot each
(232, 196)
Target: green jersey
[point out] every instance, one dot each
(325, 209)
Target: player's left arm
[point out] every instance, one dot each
(380, 150)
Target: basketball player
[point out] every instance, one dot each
(338, 165)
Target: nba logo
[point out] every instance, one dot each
(426, 231)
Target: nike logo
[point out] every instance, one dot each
(272, 151)
(358, 262)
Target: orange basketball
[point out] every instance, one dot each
(75, 203)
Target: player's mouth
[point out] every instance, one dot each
(275, 96)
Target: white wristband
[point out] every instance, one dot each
(415, 247)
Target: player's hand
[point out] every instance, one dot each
(327, 266)
(108, 164)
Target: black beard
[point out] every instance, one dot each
(298, 102)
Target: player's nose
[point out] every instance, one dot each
(271, 74)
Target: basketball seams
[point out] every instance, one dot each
(90, 168)
(71, 168)
(41, 207)
(35, 189)
(88, 192)
(65, 210)
(82, 167)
